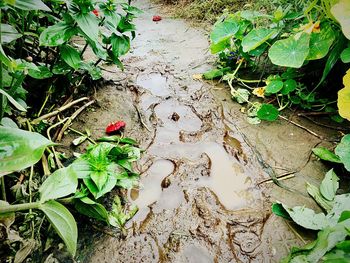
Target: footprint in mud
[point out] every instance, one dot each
(155, 83)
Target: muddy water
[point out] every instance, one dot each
(203, 195)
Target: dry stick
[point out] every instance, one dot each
(59, 164)
(140, 117)
(37, 120)
(45, 165)
(71, 118)
(323, 125)
(302, 127)
(279, 178)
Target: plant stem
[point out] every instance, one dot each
(19, 207)
(3, 189)
(1, 96)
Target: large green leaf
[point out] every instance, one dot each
(315, 193)
(274, 86)
(120, 45)
(59, 184)
(267, 112)
(333, 57)
(71, 56)
(90, 208)
(8, 33)
(220, 46)
(20, 149)
(12, 100)
(28, 4)
(343, 151)
(224, 30)
(341, 11)
(63, 222)
(256, 37)
(321, 42)
(325, 154)
(327, 239)
(329, 185)
(290, 52)
(57, 34)
(307, 218)
(88, 23)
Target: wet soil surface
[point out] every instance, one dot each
(205, 194)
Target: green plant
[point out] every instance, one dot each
(80, 185)
(291, 40)
(333, 224)
(38, 40)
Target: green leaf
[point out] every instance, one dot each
(315, 193)
(220, 46)
(99, 178)
(240, 95)
(341, 11)
(63, 222)
(59, 184)
(341, 204)
(223, 31)
(307, 218)
(88, 23)
(57, 34)
(279, 210)
(274, 86)
(321, 42)
(288, 86)
(325, 154)
(333, 57)
(290, 52)
(345, 55)
(8, 33)
(213, 74)
(13, 101)
(118, 139)
(327, 239)
(256, 37)
(120, 45)
(90, 208)
(329, 185)
(94, 71)
(71, 56)
(43, 72)
(267, 112)
(28, 4)
(343, 151)
(20, 149)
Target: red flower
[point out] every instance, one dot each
(95, 12)
(115, 127)
(157, 18)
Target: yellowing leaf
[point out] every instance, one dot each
(259, 92)
(311, 27)
(197, 76)
(344, 97)
(341, 11)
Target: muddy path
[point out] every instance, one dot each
(203, 195)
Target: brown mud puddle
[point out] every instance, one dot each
(201, 196)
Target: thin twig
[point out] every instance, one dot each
(71, 118)
(302, 127)
(63, 108)
(282, 177)
(141, 119)
(323, 125)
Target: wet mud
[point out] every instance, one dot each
(205, 193)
